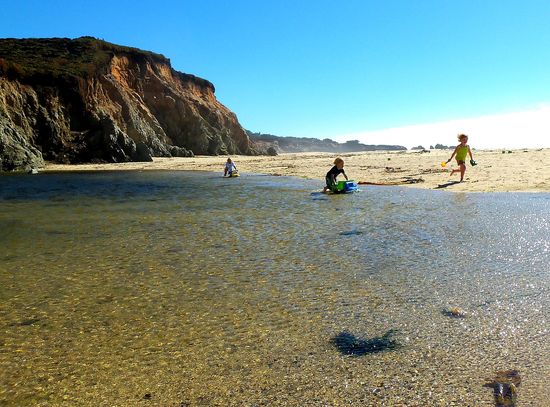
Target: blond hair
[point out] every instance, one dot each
(338, 161)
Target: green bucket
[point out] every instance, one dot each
(341, 185)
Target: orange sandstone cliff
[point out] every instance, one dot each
(86, 100)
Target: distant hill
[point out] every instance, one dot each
(272, 145)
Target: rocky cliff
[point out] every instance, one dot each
(86, 100)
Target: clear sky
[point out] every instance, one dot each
(340, 69)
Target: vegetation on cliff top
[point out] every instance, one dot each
(84, 57)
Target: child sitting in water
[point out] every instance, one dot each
(461, 151)
(333, 173)
(229, 167)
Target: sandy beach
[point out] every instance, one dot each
(497, 170)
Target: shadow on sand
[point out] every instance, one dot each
(349, 344)
(447, 184)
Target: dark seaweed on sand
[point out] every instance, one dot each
(349, 344)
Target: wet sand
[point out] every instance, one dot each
(497, 170)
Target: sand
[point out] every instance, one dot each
(497, 170)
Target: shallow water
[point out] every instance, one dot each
(174, 288)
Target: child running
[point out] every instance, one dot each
(461, 151)
(333, 173)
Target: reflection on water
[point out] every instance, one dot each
(173, 288)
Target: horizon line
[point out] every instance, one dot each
(529, 128)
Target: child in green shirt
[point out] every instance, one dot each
(461, 151)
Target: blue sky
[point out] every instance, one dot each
(335, 69)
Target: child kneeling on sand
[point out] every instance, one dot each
(461, 151)
(333, 173)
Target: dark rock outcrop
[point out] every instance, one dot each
(86, 100)
(441, 147)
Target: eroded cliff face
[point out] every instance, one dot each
(129, 107)
(17, 147)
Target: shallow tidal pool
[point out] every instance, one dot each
(187, 289)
